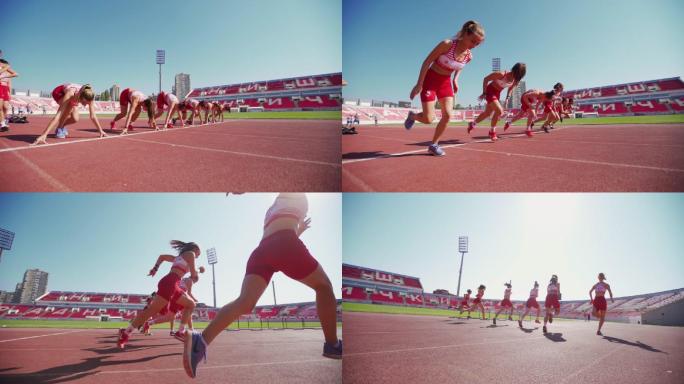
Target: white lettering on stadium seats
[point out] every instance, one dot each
(90, 312)
(383, 276)
(679, 102)
(277, 101)
(605, 107)
(37, 311)
(345, 291)
(412, 297)
(62, 311)
(632, 88)
(646, 103)
(366, 275)
(316, 99)
(303, 83)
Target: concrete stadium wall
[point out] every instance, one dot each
(671, 314)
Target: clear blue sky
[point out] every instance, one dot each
(215, 41)
(109, 242)
(635, 239)
(582, 43)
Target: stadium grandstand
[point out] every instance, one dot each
(67, 305)
(651, 97)
(306, 93)
(36, 105)
(367, 285)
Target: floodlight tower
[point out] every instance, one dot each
(211, 258)
(6, 239)
(463, 249)
(161, 59)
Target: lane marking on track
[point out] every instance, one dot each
(283, 158)
(110, 137)
(56, 184)
(51, 334)
(516, 340)
(357, 181)
(592, 364)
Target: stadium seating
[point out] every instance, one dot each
(386, 296)
(353, 293)
(292, 84)
(649, 106)
(677, 104)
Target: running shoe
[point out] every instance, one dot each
(169, 125)
(537, 321)
(408, 123)
(332, 351)
(59, 133)
(528, 132)
(550, 319)
(544, 329)
(130, 127)
(4, 128)
(179, 335)
(112, 125)
(471, 126)
(507, 125)
(123, 338)
(510, 318)
(172, 333)
(545, 128)
(493, 136)
(194, 351)
(146, 329)
(520, 323)
(599, 333)
(66, 131)
(435, 150)
(494, 321)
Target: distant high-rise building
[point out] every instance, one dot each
(496, 64)
(33, 286)
(6, 297)
(114, 92)
(182, 85)
(517, 94)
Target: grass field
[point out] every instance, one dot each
(394, 309)
(5, 323)
(297, 115)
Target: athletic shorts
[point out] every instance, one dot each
(282, 251)
(506, 303)
(532, 303)
(600, 303)
(464, 303)
(524, 106)
(4, 92)
(168, 286)
(492, 93)
(548, 106)
(552, 302)
(436, 87)
(125, 98)
(476, 301)
(58, 93)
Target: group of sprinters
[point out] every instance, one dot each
(448, 58)
(280, 249)
(551, 304)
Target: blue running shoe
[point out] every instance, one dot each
(66, 132)
(59, 133)
(194, 351)
(435, 150)
(408, 123)
(332, 351)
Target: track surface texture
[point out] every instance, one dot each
(91, 356)
(579, 158)
(398, 349)
(236, 155)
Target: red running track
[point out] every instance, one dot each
(580, 158)
(92, 357)
(397, 349)
(236, 155)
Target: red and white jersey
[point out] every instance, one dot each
(534, 293)
(192, 103)
(552, 289)
(180, 263)
(447, 61)
(532, 94)
(502, 82)
(601, 288)
(294, 205)
(466, 297)
(72, 86)
(137, 94)
(507, 294)
(479, 294)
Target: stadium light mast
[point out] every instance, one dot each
(6, 239)
(274, 296)
(463, 249)
(211, 258)
(161, 59)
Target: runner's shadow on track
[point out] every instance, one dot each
(115, 349)
(441, 142)
(555, 337)
(495, 326)
(65, 373)
(26, 138)
(9, 369)
(638, 344)
(528, 330)
(456, 322)
(362, 155)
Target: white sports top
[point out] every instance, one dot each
(600, 288)
(294, 205)
(448, 60)
(552, 289)
(534, 293)
(138, 94)
(180, 263)
(507, 293)
(501, 83)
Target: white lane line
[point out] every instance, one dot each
(592, 162)
(515, 340)
(33, 337)
(54, 183)
(282, 158)
(110, 137)
(592, 364)
(357, 181)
